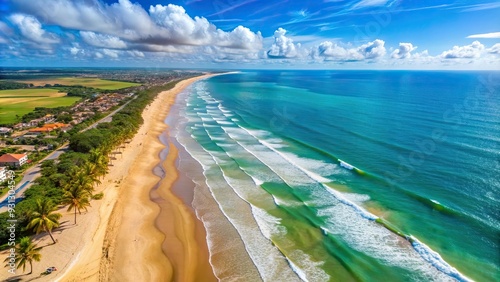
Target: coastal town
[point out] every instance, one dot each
(23, 142)
(41, 131)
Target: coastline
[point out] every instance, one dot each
(134, 235)
(119, 237)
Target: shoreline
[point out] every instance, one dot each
(120, 229)
(163, 245)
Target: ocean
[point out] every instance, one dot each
(346, 175)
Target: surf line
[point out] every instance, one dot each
(423, 250)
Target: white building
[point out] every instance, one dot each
(15, 160)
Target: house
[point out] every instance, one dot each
(40, 130)
(49, 127)
(5, 130)
(3, 174)
(15, 160)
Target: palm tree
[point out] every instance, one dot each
(99, 158)
(78, 177)
(26, 251)
(91, 170)
(77, 198)
(44, 218)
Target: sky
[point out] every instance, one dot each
(234, 34)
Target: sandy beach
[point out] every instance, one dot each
(140, 230)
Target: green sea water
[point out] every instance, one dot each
(350, 175)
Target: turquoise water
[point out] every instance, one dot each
(351, 175)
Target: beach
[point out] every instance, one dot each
(121, 236)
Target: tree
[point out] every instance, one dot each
(44, 217)
(100, 160)
(26, 251)
(79, 178)
(91, 170)
(77, 198)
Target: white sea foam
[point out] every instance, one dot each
(346, 165)
(436, 260)
(257, 181)
(357, 198)
(307, 269)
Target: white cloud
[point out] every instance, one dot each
(468, 52)
(495, 49)
(404, 51)
(332, 51)
(125, 22)
(369, 3)
(135, 53)
(102, 40)
(485, 35)
(99, 55)
(283, 47)
(110, 53)
(74, 50)
(373, 50)
(32, 29)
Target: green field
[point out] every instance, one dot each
(22, 101)
(83, 81)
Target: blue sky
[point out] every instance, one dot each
(321, 34)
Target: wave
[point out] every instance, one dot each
(235, 133)
(436, 260)
(259, 251)
(442, 266)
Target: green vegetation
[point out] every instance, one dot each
(77, 198)
(82, 81)
(82, 167)
(4, 85)
(26, 252)
(16, 103)
(44, 217)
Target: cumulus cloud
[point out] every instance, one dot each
(74, 50)
(495, 49)
(283, 47)
(102, 40)
(125, 22)
(404, 51)
(32, 30)
(373, 50)
(332, 51)
(110, 53)
(467, 52)
(135, 53)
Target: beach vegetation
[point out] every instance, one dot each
(98, 196)
(44, 217)
(26, 252)
(77, 198)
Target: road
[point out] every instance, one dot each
(32, 173)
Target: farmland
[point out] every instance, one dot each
(22, 101)
(83, 81)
